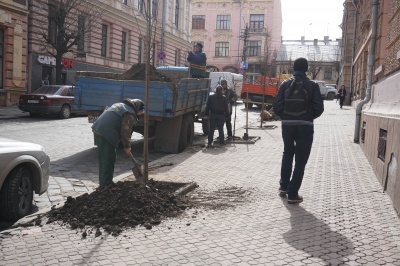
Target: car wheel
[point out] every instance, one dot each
(187, 132)
(16, 194)
(331, 96)
(65, 112)
(205, 124)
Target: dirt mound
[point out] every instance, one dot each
(138, 72)
(120, 205)
(128, 204)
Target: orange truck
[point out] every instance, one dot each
(257, 87)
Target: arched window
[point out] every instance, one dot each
(177, 14)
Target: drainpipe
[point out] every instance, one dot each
(369, 73)
(164, 10)
(353, 50)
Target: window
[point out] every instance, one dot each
(253, 48)
(104, 29)
(198, 22)
(153, 54)
(256, 23)
(140, 45)
(123, 46)
(125, 2)
(222, 49)
(328, 73)
(223, 22)
(177, 14)
(382, 144)
(81, 32)
(1, 57)
(52, 27)
(140, 5)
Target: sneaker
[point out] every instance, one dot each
(297, 199)
(209, 145)
(282, 192)
(229, 138)
(222, 144)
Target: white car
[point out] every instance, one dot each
(24, 170)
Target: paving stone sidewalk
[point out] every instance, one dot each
(345, 218)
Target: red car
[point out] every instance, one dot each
(50, 100)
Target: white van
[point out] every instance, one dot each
(235, 81)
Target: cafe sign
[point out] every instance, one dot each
(50, 60)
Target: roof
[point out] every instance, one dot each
(325, 51)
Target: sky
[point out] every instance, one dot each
(313, 19)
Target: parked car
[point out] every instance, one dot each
(332, 85)
(327, 92)
(24, 170)
(50, 100)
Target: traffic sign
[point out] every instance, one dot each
(161, 55)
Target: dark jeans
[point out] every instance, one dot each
(297, 142)
(229, 125)
(107, 156)
(216, 120)
(341, 101)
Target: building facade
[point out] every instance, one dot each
(237, 36)
(323, 58)
(13, 51)
(115, 41)
(375, 79)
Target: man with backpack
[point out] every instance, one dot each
(297, 103)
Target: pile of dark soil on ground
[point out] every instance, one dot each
(128, 204)
(120, 205)
(138, 72)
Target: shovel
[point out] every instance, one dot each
(136, 169)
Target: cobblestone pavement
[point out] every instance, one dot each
(345, 218)
(69, 143)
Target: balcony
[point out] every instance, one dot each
(257, 31)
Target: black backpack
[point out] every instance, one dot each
(296, 99)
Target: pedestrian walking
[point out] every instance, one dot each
(231, 98)
(342, 95)
(297, 103)
(217, 111)
(198, 62)
(113, 126)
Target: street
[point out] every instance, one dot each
(69, 143)
(345, 218)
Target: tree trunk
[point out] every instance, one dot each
(58, 68)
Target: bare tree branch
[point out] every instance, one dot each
(61, 25)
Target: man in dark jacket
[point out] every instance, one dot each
(297, 115)
(198, 62)
(231, 97)
(217, 110)
(113, 126)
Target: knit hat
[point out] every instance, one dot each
(300, 64)
(136, 104)
(199, 45)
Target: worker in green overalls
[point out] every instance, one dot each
(113, 126)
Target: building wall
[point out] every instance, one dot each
(239, 12)
(347, 48)
(380, 119)
(13, 22)
(119, 18)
